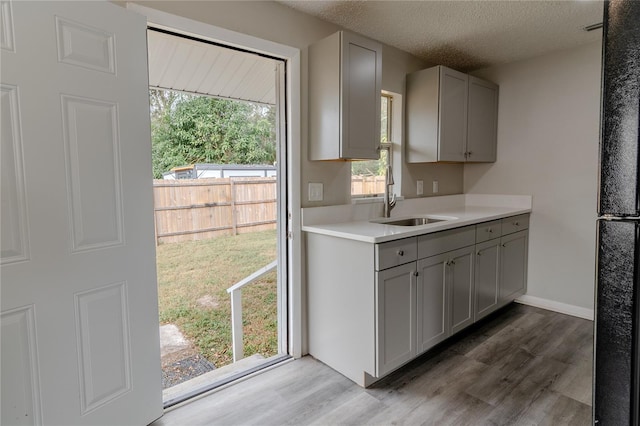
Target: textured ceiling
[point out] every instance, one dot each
(465, 35)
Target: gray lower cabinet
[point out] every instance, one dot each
(460, 276)
(487, 277)
(433, 310)
(396, 317)
(513, 265)
(374, 307)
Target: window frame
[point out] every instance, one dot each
(394, 137)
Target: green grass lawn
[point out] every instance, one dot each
(192, 281)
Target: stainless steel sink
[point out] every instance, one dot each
(414, 221)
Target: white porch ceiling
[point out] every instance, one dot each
(465, 34)
(187, 65)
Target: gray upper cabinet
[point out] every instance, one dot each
(482, 120)
(451, 117)
(345, 82)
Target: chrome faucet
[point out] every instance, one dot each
(389, 197)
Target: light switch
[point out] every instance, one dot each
(420, 187)
(435, 186)
(315, 191)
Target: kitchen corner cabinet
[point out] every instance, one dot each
(451, 117)
(501, 263)
(514, 252)
(345, 81)
(374, 307)
(513, 266)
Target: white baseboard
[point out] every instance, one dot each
(560, 307)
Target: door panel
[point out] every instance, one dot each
(96, 204)
(20, 378)
(79, 295)
(13, 210)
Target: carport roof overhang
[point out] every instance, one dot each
(192, 66)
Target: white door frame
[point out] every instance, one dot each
(291, 55)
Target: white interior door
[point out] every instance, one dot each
(79, 319)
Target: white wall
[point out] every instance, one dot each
(548, 135)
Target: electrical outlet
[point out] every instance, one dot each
(315, 191)
(420, 187)
(435, 186)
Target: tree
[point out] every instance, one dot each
(189, 129)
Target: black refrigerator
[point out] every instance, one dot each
(616, 397)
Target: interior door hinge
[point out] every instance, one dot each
(290, 235)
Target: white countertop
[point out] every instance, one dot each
(467, 210)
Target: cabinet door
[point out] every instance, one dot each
(482, 122)
(513, 269)
(487, 277)
(460, 276)
(361, 91)
(433, 302)
(396, 317)
(453, 115)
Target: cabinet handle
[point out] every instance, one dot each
(469, 153)
(503, 245)
(516, 223)
(400, 252)
(479, 253)
(489, 230)
(451, 262)
(415, 274)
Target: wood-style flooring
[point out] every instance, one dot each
(522, 366)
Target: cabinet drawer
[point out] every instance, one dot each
(396, 253)
(488, 231)
(441, 242)
(515, 224)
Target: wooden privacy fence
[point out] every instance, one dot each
(367, 185)
(198, 209)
